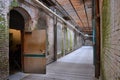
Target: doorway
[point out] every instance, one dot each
(16, 29)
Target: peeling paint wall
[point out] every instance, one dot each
(59, 37)
(67, 40)
(50, 40)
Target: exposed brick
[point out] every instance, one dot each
(4, 39)
(111, 48)
(34, 13)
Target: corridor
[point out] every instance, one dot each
(60, 39)
(77, 65)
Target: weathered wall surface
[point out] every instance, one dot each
(4, 9)
(110, 54)
(35, 19)
(79, 42)
(50, 40)
(67, 39)
(88, 42)
(59, 37)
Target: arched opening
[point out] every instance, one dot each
(16, 34)
(27, 48)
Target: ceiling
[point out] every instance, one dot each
(77, 12)
(80, 11)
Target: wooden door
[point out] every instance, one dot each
(34, 52)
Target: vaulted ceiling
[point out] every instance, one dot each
(80, 11)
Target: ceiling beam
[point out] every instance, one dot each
(86, 12)
(65, 11)
(76, 13)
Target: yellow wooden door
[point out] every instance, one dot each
(34, 57)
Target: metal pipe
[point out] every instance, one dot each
(49, 10)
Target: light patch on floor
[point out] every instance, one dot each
(83, 55)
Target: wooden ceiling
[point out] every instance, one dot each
(80, 11)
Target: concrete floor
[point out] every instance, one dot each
(77, 65)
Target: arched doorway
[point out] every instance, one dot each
(16, 34)
(27, 47)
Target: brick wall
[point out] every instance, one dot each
(67, 34)
(110, 54)
(5, 6)
(4, 39)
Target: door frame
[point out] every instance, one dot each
(28, 21)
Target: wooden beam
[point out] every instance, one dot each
(97, 62)
(76, 13)
(86, 13)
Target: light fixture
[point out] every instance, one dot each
(86, 35)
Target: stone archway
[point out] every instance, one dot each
(19, 22)
(26, 16)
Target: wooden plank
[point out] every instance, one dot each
(34, 65)
(35, 42)
(34, 57)
(97, 60)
